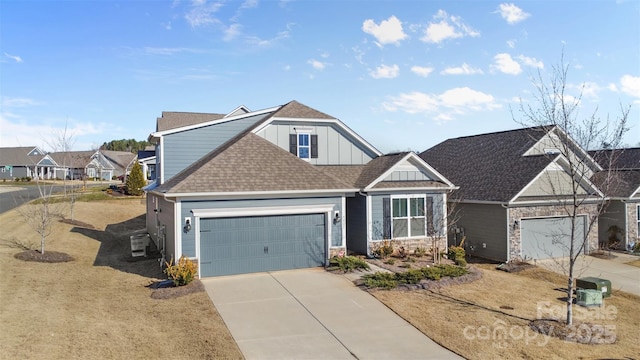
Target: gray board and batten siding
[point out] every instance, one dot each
(183, 148)
(334, 146)
(485, 228)
(189, 239)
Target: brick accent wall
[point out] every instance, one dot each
(336, 251)
(516, 214)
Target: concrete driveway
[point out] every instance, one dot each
(623, 277)
(313, 314)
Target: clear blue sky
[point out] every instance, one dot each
(403, 74)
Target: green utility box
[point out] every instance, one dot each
(589, 297)
(604, 286)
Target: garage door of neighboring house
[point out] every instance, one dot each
(549, 237)
(237, 245)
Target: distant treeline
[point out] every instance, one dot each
(130, 145)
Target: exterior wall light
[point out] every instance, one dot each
(187, 225)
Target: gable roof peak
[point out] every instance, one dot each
(295, 109)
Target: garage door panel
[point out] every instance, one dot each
(549, 237)
(261, 243)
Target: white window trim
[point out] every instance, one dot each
(308, 147)
(409, 217)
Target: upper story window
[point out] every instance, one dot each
(304, 145)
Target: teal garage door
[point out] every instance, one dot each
(549, 237)
(240, 245)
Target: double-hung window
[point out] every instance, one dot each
(304, 146)
(408, 217)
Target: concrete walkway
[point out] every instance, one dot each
(313, 314)
(623, 277)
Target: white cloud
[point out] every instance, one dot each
(202, 13)
(511, 13)
(20, 132)
(533, 62)
(232, 32)
(254, 40)
(447, 27)
(511, 43)
(590, 89)
(412, 103)
(388, 32)
(423, 71)
(385, 72)
(504, 63)
(318, 65)
(15, 58)
(445, 106)
(9, 102)
(630, 85)
(465, 69)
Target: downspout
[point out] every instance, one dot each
(626, 224)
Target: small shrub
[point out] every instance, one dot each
(420, 251)
(382, 280)
(413, 276)
(348, 263)
(457, 254)
(431, 273)
(410, 260)
(383, 249)
(406, 266)
(451, 270)
(181, 273)
(390, 261)
(403, 252)
(636, 247)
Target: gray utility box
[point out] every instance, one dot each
(588, 297)
(602, 285)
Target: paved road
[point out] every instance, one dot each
(313, 314)
(14, 196)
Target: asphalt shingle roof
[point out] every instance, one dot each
(294, 109)
(174, 119)
(18, 156)
(489, 167)
(249, 163)
(628, 158)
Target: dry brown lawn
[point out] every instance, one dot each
(489, 318)
(635, 263)
(98, 306)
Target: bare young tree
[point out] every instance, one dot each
(62, 142)
(555, 108)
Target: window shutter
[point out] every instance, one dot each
(386, 218)
(293, 144)
(314, 146)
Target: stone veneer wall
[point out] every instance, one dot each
(515, 244)
(633, 233)
(412, 244)
(337, 251)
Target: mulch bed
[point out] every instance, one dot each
(515, 266)
(579, 332)
(77, 223)
(171, 292)
(47, 257)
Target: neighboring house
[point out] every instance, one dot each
(147, 160)
(514, 186)
(122, 161)
(623, 207)
(281, 188)
(80, 164)
(28, 161)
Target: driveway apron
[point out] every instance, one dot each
(623, 277)
(313, 314)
